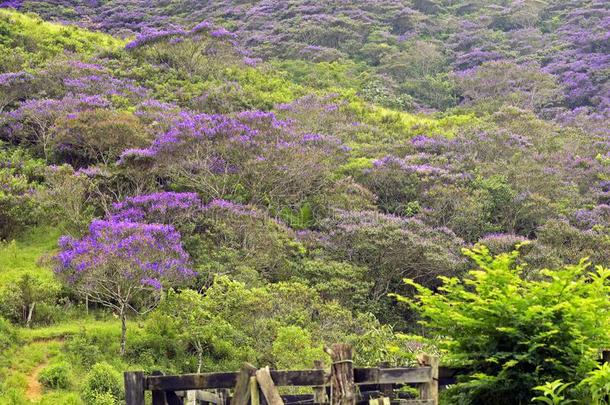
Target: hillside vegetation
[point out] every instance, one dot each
(189, 185)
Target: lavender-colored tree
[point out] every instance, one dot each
(124, 265)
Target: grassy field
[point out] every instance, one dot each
(27, 254)
(35, 349)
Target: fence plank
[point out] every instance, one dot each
(405, 375)
(263, 377)
(255, 398)
(299, 378)
(207, 396)
(134, 387)
(364, 376)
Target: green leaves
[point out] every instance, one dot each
(597, 384)
(522, 331)
(551, 393)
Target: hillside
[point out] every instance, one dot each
(189, 185)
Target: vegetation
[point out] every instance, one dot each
(185, 186)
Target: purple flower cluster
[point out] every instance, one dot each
(161, 207)
(406, 166)
(12, 78)
(105, 85)
(148, 254)
(153, 37)
(16, 4)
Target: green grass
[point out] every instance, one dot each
(27, 254)
(72, 327)
(47, 345)
(40, 40)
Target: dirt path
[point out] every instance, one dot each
(34, 387)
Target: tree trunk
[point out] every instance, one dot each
(199, 359)
(123, 316)
(30, 313)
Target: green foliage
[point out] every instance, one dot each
(239, 244)
(37, 41)
(69, 200)
(597, 385)
(103, 398)
(340, 281)
(552, 393)
(56, 375)
(20, 174)
(8, 335)
(282, 324)
(516, 333)
(97, 136)
(21, 300)
(303, 218)
(293, 348)
(84, 349)
(102, 382)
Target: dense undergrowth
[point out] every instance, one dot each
(260, 178)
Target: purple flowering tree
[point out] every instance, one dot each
(124, 265)
(13, 86)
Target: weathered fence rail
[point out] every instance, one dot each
(343, 385)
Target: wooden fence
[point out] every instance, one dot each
(342, 385)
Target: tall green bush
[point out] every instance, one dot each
(514, 333)
(103, 381)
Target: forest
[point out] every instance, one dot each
(188, 185)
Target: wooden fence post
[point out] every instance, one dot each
(319, 392)
(134, 387)
(342, 374)
(241, 396)
(429, 390)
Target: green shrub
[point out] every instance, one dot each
(102, 382)
(597, 385)
(515, 333)
(8, 335)
(83, 350)
(56, 376)
(29, 299)
(19, 175)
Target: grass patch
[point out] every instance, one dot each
(23, 255)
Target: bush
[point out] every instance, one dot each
(97, 136)
(83, 349)
(28, 299)
(515, 333)
(20, 175)
(56, 376)
(8, 335)
(102, 382)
